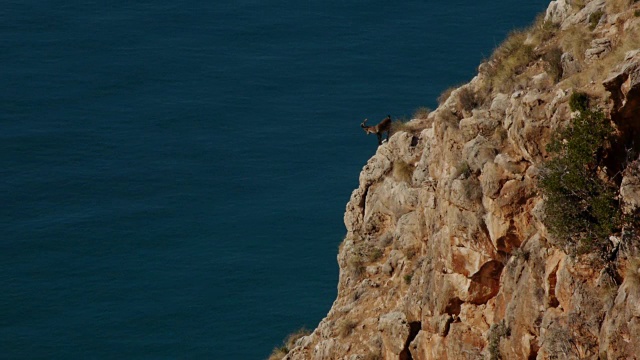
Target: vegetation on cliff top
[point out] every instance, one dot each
(581, 205)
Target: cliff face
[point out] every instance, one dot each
(446, 254)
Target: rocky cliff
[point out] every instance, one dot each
(447, 253)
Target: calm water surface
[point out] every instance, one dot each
(174, 174)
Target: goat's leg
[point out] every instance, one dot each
(379, 138)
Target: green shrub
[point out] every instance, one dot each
(581, 209)
(594, 19)
(496, 333)
(407, 279)
(579, 101)
(636, 13)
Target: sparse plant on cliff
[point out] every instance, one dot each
(445, 95)
(542, 30)
(346, 327)
(553, 58)
(406, 125)
(508, 60)
(576, 40)
(473, 189)
(422, 113)
(376, 254)
(616, 6)
(462, 169)
(578, 4)
(355, 264)
(362, 255)
(594, 19)
(288, 344)
(581, 209)
(403, 171)
(496, 333)
(467, 99)
(407, 279)
(448, 118)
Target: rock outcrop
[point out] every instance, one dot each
(446, 254)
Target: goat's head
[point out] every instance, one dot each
(364, 124)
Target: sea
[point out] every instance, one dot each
(174, 173)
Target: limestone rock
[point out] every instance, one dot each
(599, 48)
(452, 260)
(395, 331)
(630, 188)
(624, 85)
(570, 65)
(558, 11)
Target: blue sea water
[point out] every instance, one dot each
(174, 173)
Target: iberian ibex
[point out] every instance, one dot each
(382, 127)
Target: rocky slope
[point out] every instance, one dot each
(446, 254)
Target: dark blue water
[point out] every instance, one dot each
(174, 174)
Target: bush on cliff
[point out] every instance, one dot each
(581, 208)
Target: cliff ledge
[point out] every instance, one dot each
(448, 254)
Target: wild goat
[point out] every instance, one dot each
(382, 127)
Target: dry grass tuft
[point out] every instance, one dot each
(422, 113)
(346, 327)
(408, 126)
(467, 99)
(355, 264)
(290, 342)
(576, 40)
(445, 95)
(598, 70)
(448, 117)
(617, 6)
(509, 60)
(403, 171)
(541, 30)
(278, 353)
(594, 19)
(553, 58)
(579, 4)
(362, 255)
(462, 169)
